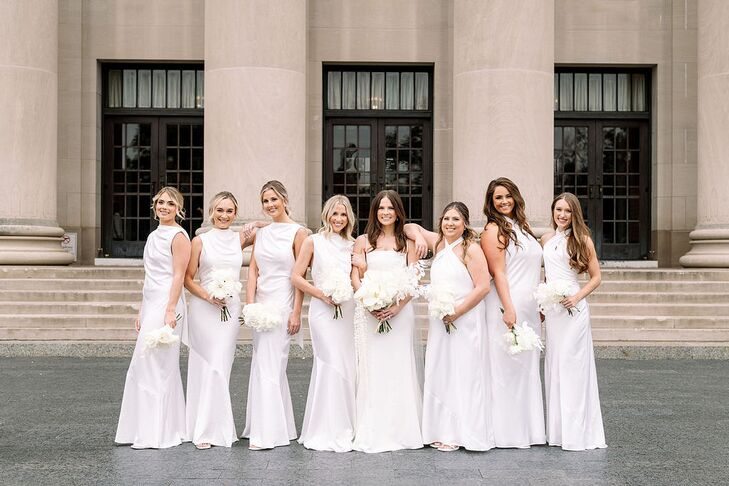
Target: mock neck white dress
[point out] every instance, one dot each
(455, 391)
(153, 407)
(330, 408)
(517, 410)
(574, 418)
(269, 414)
(212, 345)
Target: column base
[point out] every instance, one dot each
(709, 249)
(32, 245)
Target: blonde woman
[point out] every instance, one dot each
(269, 414)
(153, 407)
(330, 411)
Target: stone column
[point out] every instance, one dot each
(710, 238)
(29, 232)
(503, 88)
(255, 100)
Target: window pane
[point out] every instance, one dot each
(580, 92)
(595, 101)
(115, 88)
(392, 91)
(200, 90)
(159, 82)
(145, 88)
(421, 91)
(349, 90)
(188, 89)
(334, 90)
(609, 86)
(130, 88)
(638, 92)
(173, 89)
(565, 92)
(406, 91)
(378, 91)
(623, 92)
(363, 91)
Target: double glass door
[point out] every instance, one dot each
(366, 155)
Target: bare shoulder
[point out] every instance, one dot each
(547, 236)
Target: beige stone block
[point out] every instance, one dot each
(90, 210)
(90, 176)
(598, 47)
(73, 210)
(664, 180)
(684, 180)
(684, 146)
(662, 211)
(69, 74)
(18, 18)
(416, 14)
(691, 212)
(679, 246)
(713, 37)
(142, 42)
(89, 137)
(70, 11)
(148, 14)
(598, 15)
(443, 146)
(62, 211)
(678, 213)
(684, 94)
(685, 14)
(69, 175)
(685, 45)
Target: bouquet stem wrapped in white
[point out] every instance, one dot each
(261, 317)
(336, 285)
(549, 295)
(161, 337)
(224, 285)
(381, 289)
(522, 337)
(442, 302)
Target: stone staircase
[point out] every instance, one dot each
(647, 307)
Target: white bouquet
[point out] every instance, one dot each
(383, 288)
(442, 302)
(261, 317)
(549, 295)
(520, 338)
(161, 337)
(336, 285)
(224, 285)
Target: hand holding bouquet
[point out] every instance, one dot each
(442, 303)
(549, 296)
(521, 338)
(223, 286)
(161, 337)
(336, 285)
(381, 289)
(261, 317)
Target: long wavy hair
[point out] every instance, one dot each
(469, 235)
(176, 197)
(374, 229)
(577, 248)
(326, 213)
(506, 232)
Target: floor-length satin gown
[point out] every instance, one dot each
(212, 345)
(269, 414)
(574, 419)
(455, 391)
(517, 410)
(153, 407)
(389, 394)
(330, 407)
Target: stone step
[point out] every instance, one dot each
(658, 274)
(675, 336)
(657, 309)
(659, 322)
(71, 284)
(72, 272)
(689, 286)
(657, 298)
(62, 295)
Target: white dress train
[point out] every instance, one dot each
(330, 406)
(574, 418)
(517, 410)
(455, 391)
(153, 407)
(212, 345)
(269, 413)
(389, 394)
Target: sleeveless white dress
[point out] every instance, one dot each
(153, 407)
(389, 395)
(330, 407)
(517, 410)
(269, 414)
(574, 419)
(454, 394)
(212, 345)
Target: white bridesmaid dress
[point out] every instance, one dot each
(574, 419)
(212, 345)
(389, 395)
(517, 410)
(153, 407)
(455, 389)
(330, 407)
(269, 414)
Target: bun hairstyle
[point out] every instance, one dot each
(326, 213)
(280, 191)
(469, 235)
(506, 232)
(176, 197)
(577, 248)
(374, 228)
(217, 199)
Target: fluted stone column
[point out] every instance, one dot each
(710, 238)
(503, 69)
(255, 100)
(29, 232)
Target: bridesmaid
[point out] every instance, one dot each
(153, 408)
(211, 341)
(269, 414)
(515, 260)
(330, 411)
(574, 420)
(455, 402)
(389, 395)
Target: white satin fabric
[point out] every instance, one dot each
(574, 419)
(517, 410)
(455, 390)
(212, 345)
(330, 407)
(389, 394)
(153, 407)
(269, 414)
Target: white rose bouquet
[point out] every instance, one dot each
(336, 285)
(549, 295)
(520, 338)
(442, 302)
(383, 288)
(261, 317)
(161, 337)
(224, 285)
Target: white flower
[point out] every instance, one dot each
(382, 288)
(441, 302)
(224, 284)
(161, 337)
(262, 317)
(336, 284)
(520, 338)
(549, 295)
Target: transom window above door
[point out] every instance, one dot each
(590, 90)
(155, 87)
(381, 89)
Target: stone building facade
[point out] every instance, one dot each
(622, 101)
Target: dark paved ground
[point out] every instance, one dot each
(667, 422)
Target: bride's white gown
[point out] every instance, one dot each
(389, 394)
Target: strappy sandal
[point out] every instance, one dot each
(203, 445)
(436, 445)
(448, 448)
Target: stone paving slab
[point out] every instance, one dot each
(666, 421)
